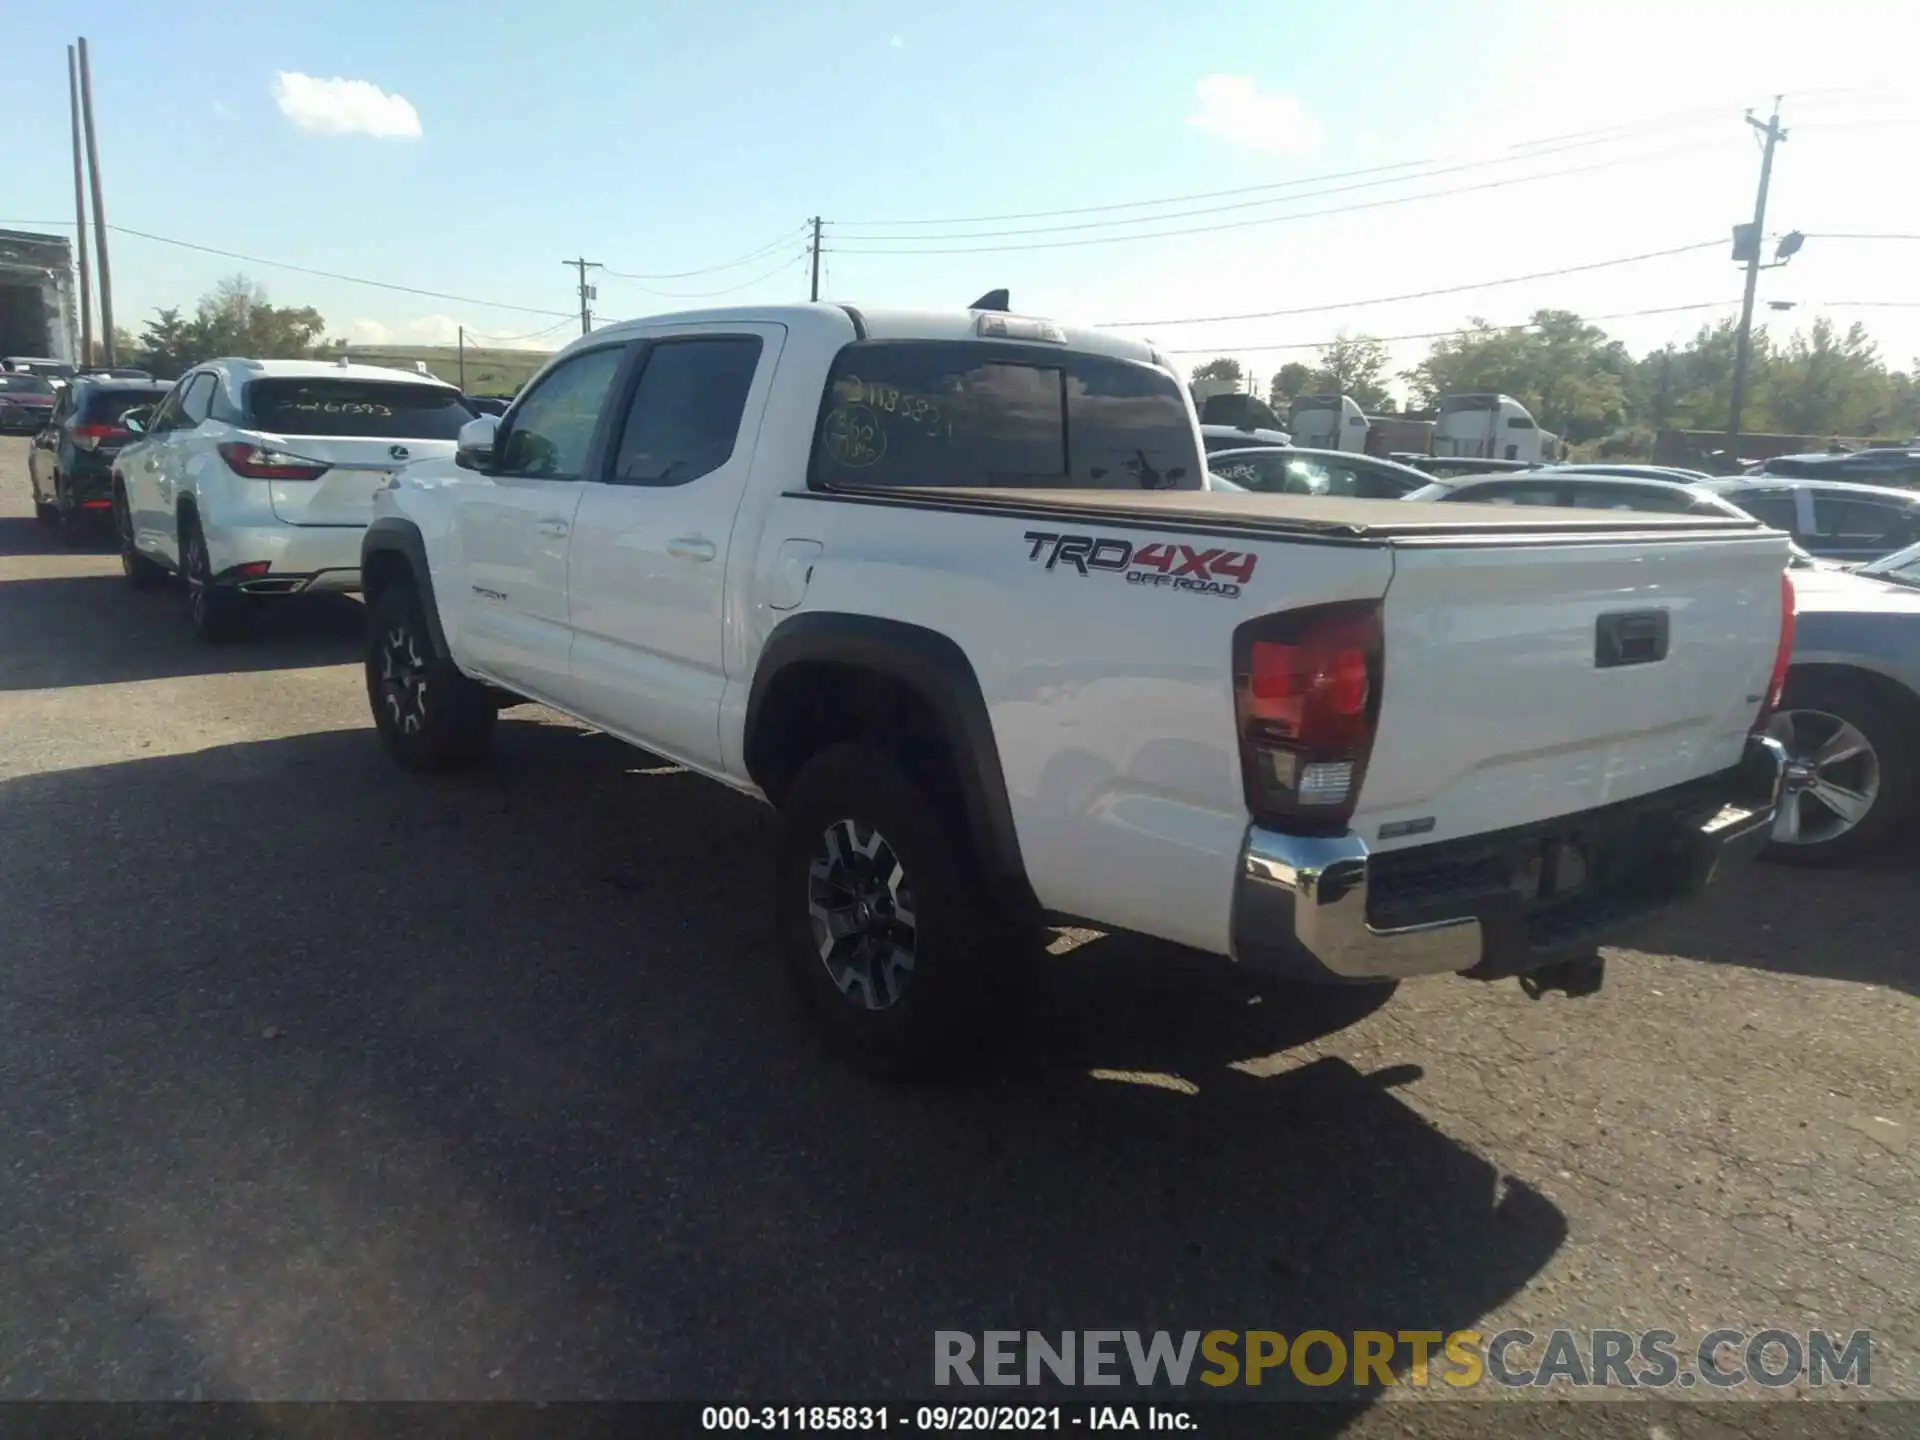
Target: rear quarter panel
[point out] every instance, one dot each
(1111, 701)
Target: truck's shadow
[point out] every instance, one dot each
(490, 1087)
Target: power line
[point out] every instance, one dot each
(483, 341)
(774, 244)
(1285, 219)
(1824, 235)
(1421, 294)
(1610, 133)
(783, 266)
(1372, 184)
(330, 274)
(1443, 334)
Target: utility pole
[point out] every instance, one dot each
(815, 247)
(80, 212)
(99, 206)
(1743, 344)
(463, 359)
(587, 292)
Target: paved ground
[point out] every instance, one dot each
(319, 1081)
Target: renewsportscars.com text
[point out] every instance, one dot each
(1459, 1359)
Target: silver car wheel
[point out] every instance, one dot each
(860, 905)
(1833, 777)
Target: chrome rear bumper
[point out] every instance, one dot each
(1305, 907)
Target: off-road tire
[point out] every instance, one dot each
(966, 955)
(434, 719)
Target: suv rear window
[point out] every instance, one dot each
(104, 407)
(376, 408)
(935, 413)
(25, 384)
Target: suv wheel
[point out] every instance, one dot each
(886, 931)
(141, 573)
(69, 519)
(1850, 771)
(429, 715)
(216, 614)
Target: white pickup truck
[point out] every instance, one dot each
(947, 590)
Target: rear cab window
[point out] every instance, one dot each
(17, 384)
(382, 409)
(906, 413)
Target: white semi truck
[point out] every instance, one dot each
(1491, 427)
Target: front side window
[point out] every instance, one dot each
(684, 419)
(1775, 511)
(925, 413)
(197, 401)
(552, 427)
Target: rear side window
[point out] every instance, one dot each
(1860, 522)
(1504, 494)
(948, 414)
(386, 410)
(684, 419)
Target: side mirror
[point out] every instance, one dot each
(135, 420)
(474, 449)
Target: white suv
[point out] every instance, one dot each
(256, 477)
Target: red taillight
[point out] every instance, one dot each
(1783, 653)
(91, 437)
(257, 463)
(1307, 691)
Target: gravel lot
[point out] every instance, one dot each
(318, 1081)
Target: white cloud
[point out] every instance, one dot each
(344, 107)
(1234, 108)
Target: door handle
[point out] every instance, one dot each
(691, 547)
(553, 525)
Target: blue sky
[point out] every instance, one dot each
(671, 137)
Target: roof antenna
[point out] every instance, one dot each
(992, 300)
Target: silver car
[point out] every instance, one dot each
(1850, 718)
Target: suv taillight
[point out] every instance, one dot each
(258, 463)
(1306, 688)
(1783, 653)
(91, 437)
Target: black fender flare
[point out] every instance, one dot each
(390, 534)
(935, 667)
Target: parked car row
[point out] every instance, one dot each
(1850, 720)
(944, 589)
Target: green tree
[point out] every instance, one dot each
(1567, 372)
(234, 318)
(165, 345)
(1289, 383)
(1354, 365)
(1829, 382)
(1224, 367)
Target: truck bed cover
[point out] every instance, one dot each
(1312, 517)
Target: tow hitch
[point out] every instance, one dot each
(1572, 978)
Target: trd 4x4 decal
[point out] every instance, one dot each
(1198, 569)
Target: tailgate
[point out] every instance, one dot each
(1526, 680)
(343, 495)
